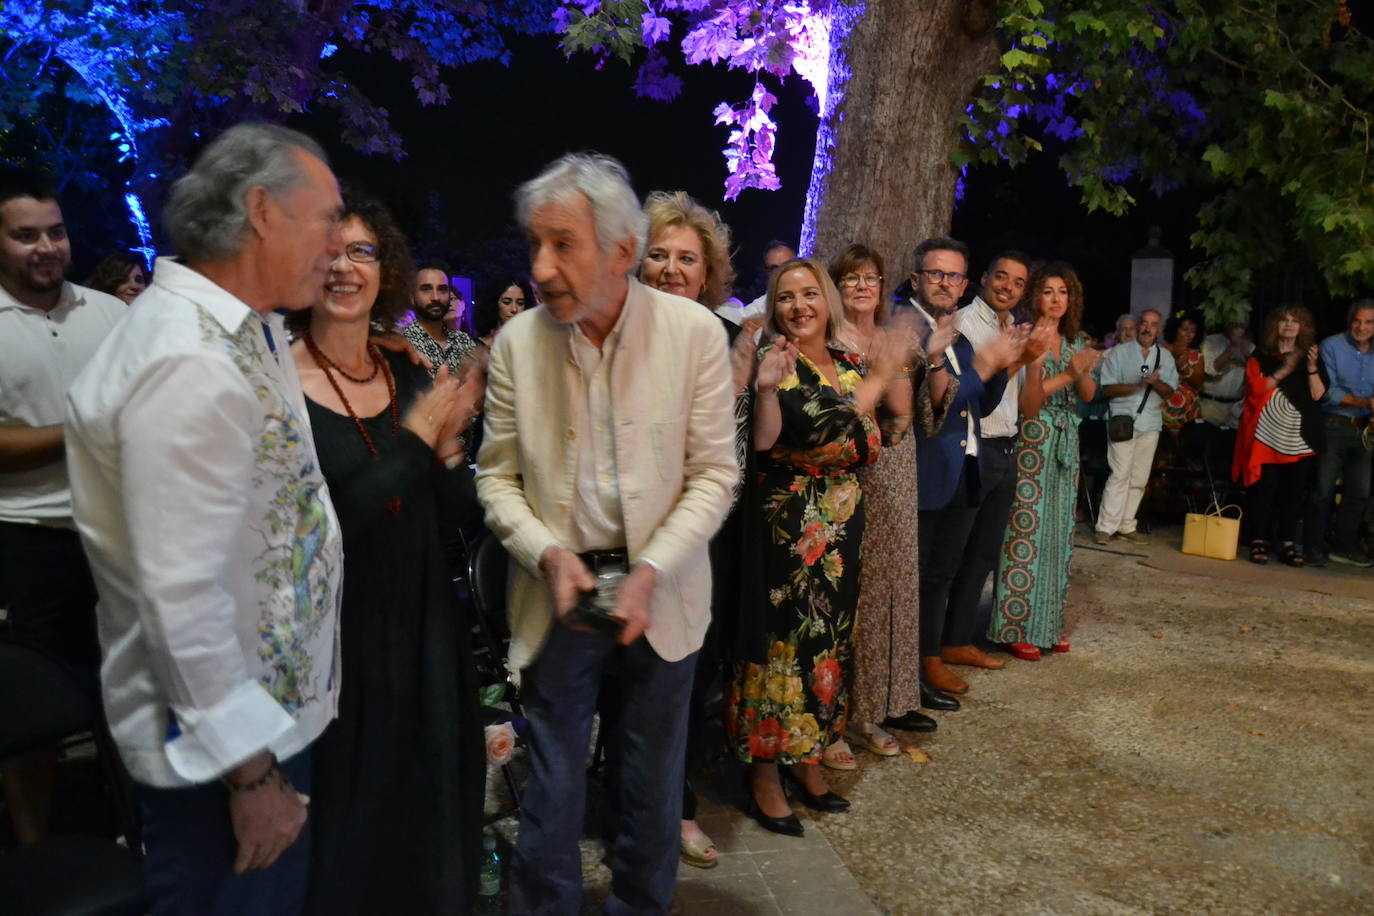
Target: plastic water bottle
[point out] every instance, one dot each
(489, 880)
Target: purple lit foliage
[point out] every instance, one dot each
(775, 37)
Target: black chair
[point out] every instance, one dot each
(488, 566)
(41, 706)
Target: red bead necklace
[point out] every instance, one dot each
(379, 365)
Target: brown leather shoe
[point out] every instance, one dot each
(970, 655)
(941, 678)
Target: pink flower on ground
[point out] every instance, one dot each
(500, 743)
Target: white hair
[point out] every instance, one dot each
(207, 212)
(605, 184)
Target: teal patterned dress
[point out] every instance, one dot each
(793, 660)
(1033, 571)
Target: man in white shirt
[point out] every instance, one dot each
(982, 321)
(1223, 387)
(1137, 379)
(609, 443)
(214, 545)
(49, 329)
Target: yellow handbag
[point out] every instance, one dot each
(1213, 534)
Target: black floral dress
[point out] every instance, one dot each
(793, 663)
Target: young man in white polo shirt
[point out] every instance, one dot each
(49, 329)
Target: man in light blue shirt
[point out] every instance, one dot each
(1347, 410)
(1137, 377)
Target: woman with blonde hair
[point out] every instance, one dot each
(688, 254)
(815, 422)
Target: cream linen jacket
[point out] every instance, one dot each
(674, 433)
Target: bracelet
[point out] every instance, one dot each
(1313, 371)
(936, 367)
(272, 769)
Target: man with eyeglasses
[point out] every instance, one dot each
(953, 467)
(436, 341)
(1137, 378)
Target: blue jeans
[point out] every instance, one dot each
(188, 866)
(560, 693)
(1345, 458)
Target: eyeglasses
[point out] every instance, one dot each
(940, 276)
(850, 281)
(360, 252)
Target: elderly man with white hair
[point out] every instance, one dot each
(214, 545)
(607, 455)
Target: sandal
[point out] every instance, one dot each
(1259, 551)
(1290, 554)
(838, 756)
(694, 853)
(872, 738)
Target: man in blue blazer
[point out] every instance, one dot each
(948, 462)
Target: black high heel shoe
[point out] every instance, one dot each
(826, 803)
(787, 826)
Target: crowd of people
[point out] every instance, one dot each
(269, 482)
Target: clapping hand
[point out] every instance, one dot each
(1003, 350)
(1041, 338)
(942, 336)
(1084, 361)
(434, 410)
(777, 364)
(743, 353)
(1313, 355)
(468, 404)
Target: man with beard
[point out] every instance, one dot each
(49, 329)
(953, 464)
(1136, 381)
(428, 333)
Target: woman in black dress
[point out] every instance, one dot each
(399, 776)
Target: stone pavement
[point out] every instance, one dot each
(1205, 747)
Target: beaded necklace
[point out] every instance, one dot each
(379, 365)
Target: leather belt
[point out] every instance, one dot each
(595, 559)
(1212, 397)
(1341, 419)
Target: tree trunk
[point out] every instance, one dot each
(899, 80)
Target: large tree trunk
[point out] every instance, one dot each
(882, 174)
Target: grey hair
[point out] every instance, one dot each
(1359, 305)
(207, 212)
(605, 184)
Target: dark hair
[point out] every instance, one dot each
(1071, 322)
(940, 243)
(1359, 305)
(486, 311)
(110, 274)
(1307, 330)
(778, 243)
(1011, 254)
(431, 265)
(393, 257)
(849, 261)
(15, 183)
(1175, 323)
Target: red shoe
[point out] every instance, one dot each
(1024, 651)
(1062, 645)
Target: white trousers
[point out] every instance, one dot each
(1130, 462)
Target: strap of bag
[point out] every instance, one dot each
(1146, 396)
(1220, 510)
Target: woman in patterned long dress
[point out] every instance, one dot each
(887, 688)
(814, 417)
(1033, 572)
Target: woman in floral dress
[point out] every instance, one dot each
(814, 418)
(1033, 572)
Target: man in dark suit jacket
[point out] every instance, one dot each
(948, 463)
